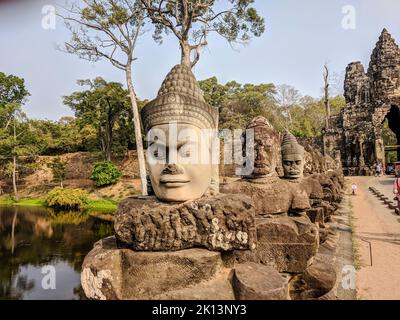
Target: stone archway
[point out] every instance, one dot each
(372, 98)
(393, 117)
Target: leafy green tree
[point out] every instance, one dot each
(310, 114)
(12, 90)
(238, 103)
(105, 106)
(16, 139)
(214, 93)
(191, 22)
(109, 29)
(58, 168)
(105, 173)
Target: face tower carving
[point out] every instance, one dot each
(292, 157)
(266, 152)
(179, 153)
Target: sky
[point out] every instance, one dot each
(301, 35)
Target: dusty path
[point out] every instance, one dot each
(376, 224)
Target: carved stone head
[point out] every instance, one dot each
(178, 124)
(266, 148)
(292, 157)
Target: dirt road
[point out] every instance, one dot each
(378, 226)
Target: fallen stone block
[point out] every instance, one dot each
(253, 281)
(317, 281)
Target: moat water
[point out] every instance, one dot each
(41, 252)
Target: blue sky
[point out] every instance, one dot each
(301, 36)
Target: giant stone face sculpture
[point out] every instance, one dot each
(266, 141)
(270, 194)
(292, 157)
(179, 154)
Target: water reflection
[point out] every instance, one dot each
(31, 238)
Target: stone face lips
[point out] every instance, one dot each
(219, 223)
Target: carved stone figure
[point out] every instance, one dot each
(183, 214)
(270, 194)
(292, 157)
(163, 244)
(284, 243)
(179, 154)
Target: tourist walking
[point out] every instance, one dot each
(353, 188)
(378, 170)
(396, 191)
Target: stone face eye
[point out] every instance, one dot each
(158, 154)
(298, 162)
(185, 152)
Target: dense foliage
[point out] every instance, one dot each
(58, 168)
(105, 173)
(66, 199)
(283, 106)
(105, 108)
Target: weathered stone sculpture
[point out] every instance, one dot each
(285, 243)
(176, 118)
(220, 223)
(164, 244)
(188, 241)
(271, 195)
(175, 122)
(292, 157)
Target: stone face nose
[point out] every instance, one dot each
(173, 169)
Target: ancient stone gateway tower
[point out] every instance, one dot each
(355, 135)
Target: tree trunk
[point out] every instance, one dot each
(14, 176)
(326, 97)
(109, 133)
(14, 221)
(185, 54)
(109, 144)
(138, 131)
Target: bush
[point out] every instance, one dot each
(61, 198)
(105, 174)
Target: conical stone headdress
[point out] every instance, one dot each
(290, 146)
(180, 99)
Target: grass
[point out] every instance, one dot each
(29, 202)
(104, 206)
(355, 243)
